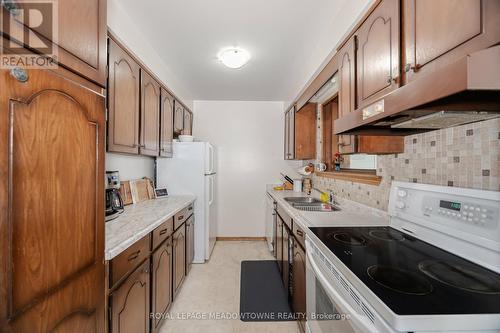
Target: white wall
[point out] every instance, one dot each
(133, 167)
(249, 141)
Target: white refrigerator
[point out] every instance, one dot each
(192, 170)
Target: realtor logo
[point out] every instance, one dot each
(30, 34)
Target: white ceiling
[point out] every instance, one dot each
(288, 40)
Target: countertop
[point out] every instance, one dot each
(140, 219)
(351, 213)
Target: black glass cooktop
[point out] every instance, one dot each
(410, 276)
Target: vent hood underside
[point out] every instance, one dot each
(467, 91)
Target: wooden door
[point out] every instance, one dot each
(166, 123)
(179, 250)
(81, 35)
(286, 257)
(51, 204)
(189, 243)
(378, 53)
(161, 281)
(178, 118)
(299, 284)
(188, 122)
(438, 32)
(150, 116)
(279, 242)
(347, 78)
(130, 303)
(123, 101)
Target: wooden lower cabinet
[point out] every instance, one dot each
(161, 282)
(299, 284)
(179, 259)
(189, 243)
(130, 303)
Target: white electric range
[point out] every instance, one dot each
(435, 268)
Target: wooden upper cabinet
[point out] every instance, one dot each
(150, 115)
(178, 118)
(166, 123)
(161, 277)
(378, 53)
(123, 101)
(130, 303)
(304, 125)
(438, 32)
(51, 254)
(289, 134)
(81, 36)
(347, 77)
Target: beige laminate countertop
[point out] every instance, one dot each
(140, 219)
(351, 213)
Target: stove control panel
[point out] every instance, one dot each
(467, 211)
(461, 210)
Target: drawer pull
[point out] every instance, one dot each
(134, 255)
(163, 232)
(190, 208)
(300, 233)
(180, 217)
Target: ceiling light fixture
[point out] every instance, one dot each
(234, 57)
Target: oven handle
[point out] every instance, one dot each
(360, 321)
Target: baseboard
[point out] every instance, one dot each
(241, 239)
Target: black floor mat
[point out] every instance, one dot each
(262, 294)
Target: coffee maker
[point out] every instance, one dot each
(114, 202)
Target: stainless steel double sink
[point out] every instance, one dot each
(310, 204)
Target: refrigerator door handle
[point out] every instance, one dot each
(210, 159)
(211, 200)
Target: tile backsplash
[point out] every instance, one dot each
(463, 156)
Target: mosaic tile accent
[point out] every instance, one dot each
(463, 156)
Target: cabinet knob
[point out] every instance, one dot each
(20, 74)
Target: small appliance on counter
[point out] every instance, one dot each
(114, 202)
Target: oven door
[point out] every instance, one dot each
(328, 310)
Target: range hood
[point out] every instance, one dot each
(462, 92)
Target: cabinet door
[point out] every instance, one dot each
(378, 53)
(179, 249)
(286, 137)
(189, 243)
(279, 242)
(188, 122)
(166, 124)
(150, 115)
(161, 278)
(291, 134)
(51, 254)
(299, 284)
(439, 32)
(123, 101)
(347, 78)
(304, 129)
(286, 257)
(130, 303)
(178, 118)
(81, 31)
